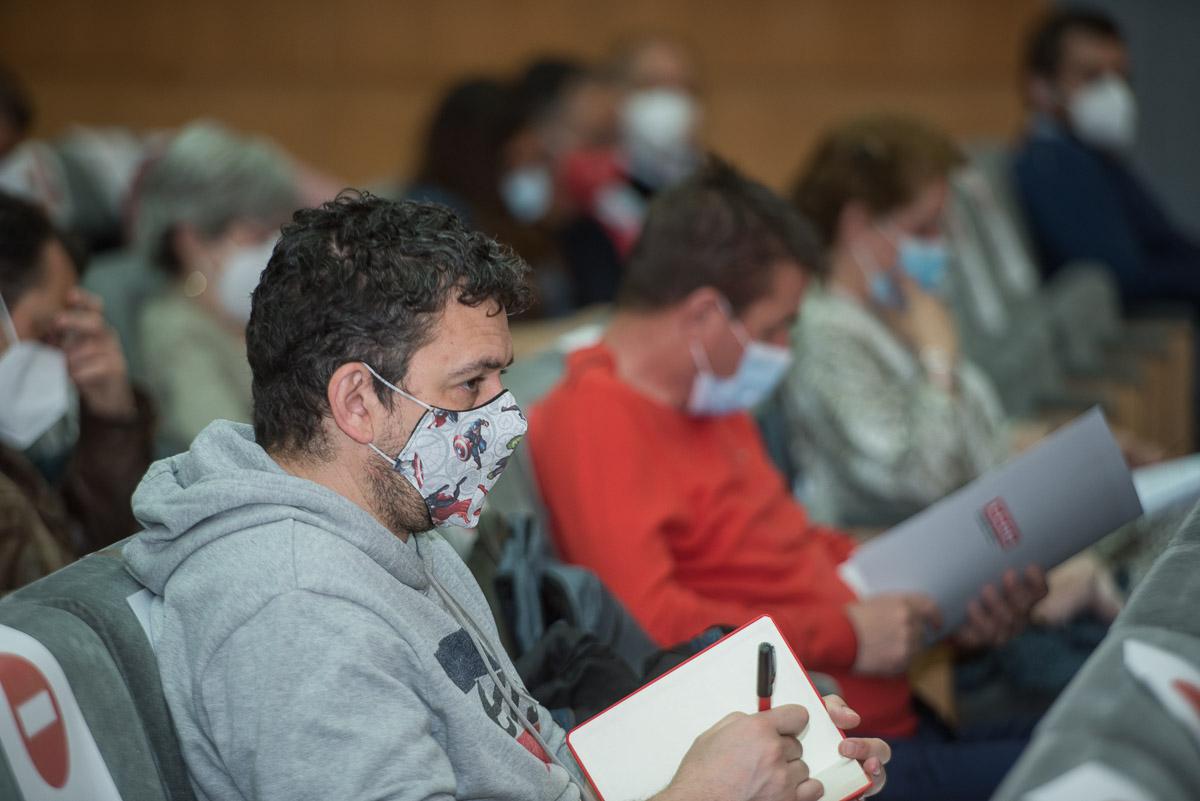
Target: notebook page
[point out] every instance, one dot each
(632, 750)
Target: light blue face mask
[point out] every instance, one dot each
(527, 193)
(886, 292)
(925, 261)
(760, 370)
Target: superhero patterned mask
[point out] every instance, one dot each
(453, 458)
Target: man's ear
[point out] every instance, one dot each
(854, 219)
(699, 309)
(1041, 94)
(356, 409)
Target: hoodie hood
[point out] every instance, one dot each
(224, 484)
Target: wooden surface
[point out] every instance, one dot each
(347, 85)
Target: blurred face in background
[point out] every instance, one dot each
(36, 310)
(220, 271)
(909, 241)
(661, 115)
(539, 156)
(1090, 92)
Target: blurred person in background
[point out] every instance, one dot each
(656, 478)
(1072, 170)
(207, 213)
(81, 177)
(459, 161)
(16, 111)
(75, 437)
(557, 156)
(887, 415)
(661, 113)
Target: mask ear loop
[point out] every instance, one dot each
(396, 389)
(10, 328)
(735, 325)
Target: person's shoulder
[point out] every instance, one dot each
(1040, 155)
(589, 387)
(168, 314)
(829, 320)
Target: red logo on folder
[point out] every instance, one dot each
(1000, 523)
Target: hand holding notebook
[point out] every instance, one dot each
(679, 734)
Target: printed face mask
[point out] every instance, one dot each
(761, 368)
(35, 389)
(453, 458)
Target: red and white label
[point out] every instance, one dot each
(39, 720)
(43, 735)
(1000, 523)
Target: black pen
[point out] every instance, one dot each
(766, 675)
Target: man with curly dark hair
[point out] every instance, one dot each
(315, 639)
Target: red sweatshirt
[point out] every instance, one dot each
(689, 523)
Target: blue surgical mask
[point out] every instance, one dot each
(925, 261)
(760, 370)
(883, 287)
(886, 292)
(527, 193)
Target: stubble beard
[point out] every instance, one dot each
(397, 503)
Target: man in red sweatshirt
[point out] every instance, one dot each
(655, 476)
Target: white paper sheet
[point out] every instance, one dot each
(1042, 507)
(1170, 485)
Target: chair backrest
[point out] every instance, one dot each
(78, 631)
(1082, 308)
(1014, 347)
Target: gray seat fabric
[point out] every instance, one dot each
(1105, 715)
(1080, 302)
(80, 614)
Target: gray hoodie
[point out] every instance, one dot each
(308, 653)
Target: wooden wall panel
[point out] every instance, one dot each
(347, 85)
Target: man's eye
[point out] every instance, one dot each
(472, 384)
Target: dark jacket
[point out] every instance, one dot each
(44, 526)
(1084, 204)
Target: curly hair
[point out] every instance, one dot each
(360, 279)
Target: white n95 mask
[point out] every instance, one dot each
(35, 388)
(759, 371)
(453, 458)
(243, 268)
(658, 126)
(1104, 114)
